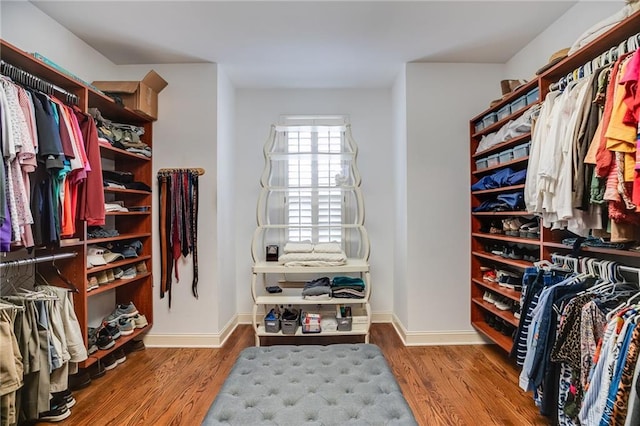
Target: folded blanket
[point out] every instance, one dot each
(298, 248)
(347, 281)
(313, 259)
(327, 248)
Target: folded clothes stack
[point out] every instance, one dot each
(501, 178)
(121, 136)
(122, 180)
(319, 289)
(348, 287)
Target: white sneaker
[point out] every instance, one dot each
(140, 321)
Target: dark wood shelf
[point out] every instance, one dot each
(522, 90)
(501, 165)
(126, 191)
(512, 213)
(495, 336)
(119, 342)
(497, 288)
(601, 250)
(111, 152)
(128, 213)
(503, 145)
(521, 264)
(117, 283)
(118, 264)
(505, 315)
(498, 190)
(502, 237)
(118, 238)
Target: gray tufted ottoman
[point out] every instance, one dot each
(343, 384)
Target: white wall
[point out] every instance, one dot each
(400, 284)
(562, 33)
(438, 205)
(370, 113)
(28, 28)
(226, 200)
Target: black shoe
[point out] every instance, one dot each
(65, 397)
(97, 370)
(109, 362)
(119, 356)
(134, 346)
(105, 341)
(58, 411)
(79, 381)
(113, 330)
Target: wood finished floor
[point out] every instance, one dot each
(444, 385)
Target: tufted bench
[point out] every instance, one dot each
(342, 384)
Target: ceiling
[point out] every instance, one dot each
(306, 43)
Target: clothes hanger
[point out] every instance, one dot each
(64, 279)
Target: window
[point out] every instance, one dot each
(314, 197)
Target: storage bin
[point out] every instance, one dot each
(504, 112)
(481, 164)
(310, 322)
(489, 119)
(290, 326)
(532, 96)
(344, 324)
(479, 126)
(521, 150)
(505, 156)
(518, 104)
(271, 325)
(493, 160)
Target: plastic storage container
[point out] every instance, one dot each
(505, 156)
(479, 126)
(533, 96)
(481, 164)
(272, 325)
(504, 112)
(519, 103)
(489, 119)
(493, 160)
(344, 324)
(521, 150)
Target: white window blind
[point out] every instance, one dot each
(313, 196)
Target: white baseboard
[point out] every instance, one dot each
(196, 340)
(436, 338)
(409, 338)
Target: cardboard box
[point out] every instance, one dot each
(140, 96)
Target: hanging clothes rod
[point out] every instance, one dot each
(25, 78)
(198, 170)
(39, 259)
(605, 58)
(598, 263)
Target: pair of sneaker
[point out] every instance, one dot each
(500, 302)
(113, 359)
(511, 226)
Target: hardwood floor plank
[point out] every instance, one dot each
(443, 385)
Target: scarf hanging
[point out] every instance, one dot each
(178, 224)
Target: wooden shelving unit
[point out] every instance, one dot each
(133, 225)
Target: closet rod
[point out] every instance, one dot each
(198, 170)
(599, 263)
(39, 259)
(607, 57)
(27, 79)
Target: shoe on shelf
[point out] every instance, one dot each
(109, 362)
(92, 283)
(102, 278)
(120, 311)
(129, 273)
(503, 304)
(141, 268)
(96, 370)
(118, 273)
(140, 321)
(489, 297)
(110, 277)
(490, 276)
(92, 340)
(105, 340)
(126, 326)
(119, 356)
(112, 329)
